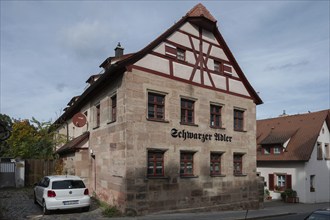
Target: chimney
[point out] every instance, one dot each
(284, 114)
(119, 51)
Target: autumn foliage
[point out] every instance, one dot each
(29, 139)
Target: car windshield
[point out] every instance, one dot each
(68, 184)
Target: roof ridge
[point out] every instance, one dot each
(296, 115)
(200, 10)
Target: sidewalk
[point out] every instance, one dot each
(271, 209)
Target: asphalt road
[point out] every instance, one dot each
(17, 204)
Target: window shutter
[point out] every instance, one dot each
(271, 181)
(288, 182)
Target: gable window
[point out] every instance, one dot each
(187, 111)
(215, 164)
(238, 120)
(319, 151)
(215, 116)
(238, 164)
(187, 163)
(180, 54)
(217, 66)
(279, 182)
(156, 106)
(155, 163)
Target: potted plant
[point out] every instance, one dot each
(267, 195)
(290, 195)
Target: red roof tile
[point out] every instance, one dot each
(301, 130)
(200, 11)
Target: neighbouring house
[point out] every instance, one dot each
(172, 126)
(294, 153)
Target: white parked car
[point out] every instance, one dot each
(61, 192)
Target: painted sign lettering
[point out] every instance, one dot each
(183, 134)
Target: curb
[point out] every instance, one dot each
(267, 216)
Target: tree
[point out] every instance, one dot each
(31, 139)
(5, 132)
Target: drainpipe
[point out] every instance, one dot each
(67, 131)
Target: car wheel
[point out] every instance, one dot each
(44, 208)
(85, 209)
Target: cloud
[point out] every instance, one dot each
(60, 87)
(86, 39)
(288, 65)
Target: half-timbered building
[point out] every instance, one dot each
(172, 126)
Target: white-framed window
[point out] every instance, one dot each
(277, 150)
(280, 180)
(266, 150)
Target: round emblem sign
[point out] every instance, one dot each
(79, 119)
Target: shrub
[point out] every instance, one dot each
(288, 193)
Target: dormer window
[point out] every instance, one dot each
(277, 150)
(271, 149)
(266, 150)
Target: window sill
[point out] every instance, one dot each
(189, 124)
(221, 128)
(157, 177)
(244, 131)
(155, 120)
(240, 175)
(188, 177)
(110, 122)
(228, 74)
(217, 175)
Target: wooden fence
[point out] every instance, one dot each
(35, 169)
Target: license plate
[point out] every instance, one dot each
(70, 202)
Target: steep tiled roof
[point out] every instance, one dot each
(198, 15)
(301, 130)
(74, 144)
(200, 11)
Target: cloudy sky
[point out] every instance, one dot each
(50, 48)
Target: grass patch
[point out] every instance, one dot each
(107, 210)
(111, 211)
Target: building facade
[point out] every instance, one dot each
(172, 126)
(294, 152)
